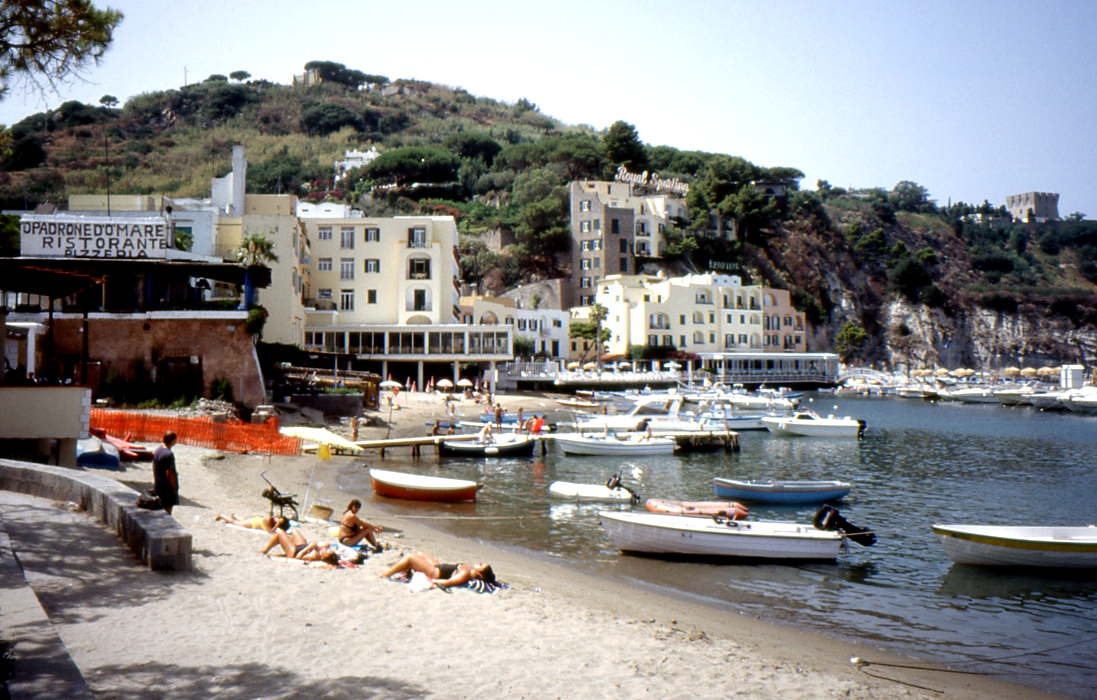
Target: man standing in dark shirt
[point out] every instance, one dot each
(165, 478)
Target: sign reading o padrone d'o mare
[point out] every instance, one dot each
(61, 236)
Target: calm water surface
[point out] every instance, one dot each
(920, 463)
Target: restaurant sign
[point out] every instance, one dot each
(61, 236)
(652, 180)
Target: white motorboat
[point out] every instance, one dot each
(915, 390)
(661, 414)
(809, 423)
(973, 394)
(1015, 395)
(1007, 545)
(1082, 400)
(593, 492)
(1047, 400)
(654, 533)
(630, 445)
(724, 415)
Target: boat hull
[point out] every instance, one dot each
(414, 487)
(522, 447)
(780, 492)
(575, 444)
(1001, 545)
(590, 492)
(817, 428)
(652, 533)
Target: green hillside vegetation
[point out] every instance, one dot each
(501, 167)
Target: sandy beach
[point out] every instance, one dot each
(242, 625)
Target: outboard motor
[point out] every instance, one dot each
(861, 425)
(614, 482)
(828, 518)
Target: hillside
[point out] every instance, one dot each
(925, 283)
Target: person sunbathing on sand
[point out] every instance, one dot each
(258, 522)
(292, 541)
(441, 575)
(353, 529)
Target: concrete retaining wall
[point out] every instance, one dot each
(153, 535)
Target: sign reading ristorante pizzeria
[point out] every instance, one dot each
(94, 237)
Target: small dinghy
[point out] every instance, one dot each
(703, 509)
(501, 445)
(613, 491)
(417, 487)
(780, 491)
(1005, 545)
(634, 445)
(683, 535)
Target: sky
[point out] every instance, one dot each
(973, 100)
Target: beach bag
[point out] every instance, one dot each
(149, 500)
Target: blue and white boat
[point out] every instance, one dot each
(780, 492)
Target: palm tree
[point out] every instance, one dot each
(256, 249)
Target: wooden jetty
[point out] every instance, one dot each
(693, 441)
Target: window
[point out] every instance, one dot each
(662, 228)
(521, 324)
(584, 227)
(597, 224)
(323, 294)
(624, 264)
(323, 264)
(653, 340)
(623, 245)
(642, 228)
(711, 337)
(324, 233)
(682, 319)
(584, 264)
(418, 300)
(698, 337)
(683, 339)
(371, 296)
(373, 265)
(698, 317)
(417, 237)
(346, 237)
(346, 268)
(584, 205)
(597, 263)
(373, 235)
(712, 317)
(346, 300)
(668, 340)
(584, 283)
(615, 226)
(419, 268)
(556, 323)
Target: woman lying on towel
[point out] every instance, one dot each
(441, 575)
(353, 529)
(258, 522)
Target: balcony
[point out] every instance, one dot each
(417, 307)
(418, 275)
(418, 243)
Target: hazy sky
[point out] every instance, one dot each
(973, 100)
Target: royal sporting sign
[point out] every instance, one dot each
(94, 237)
(652, 180)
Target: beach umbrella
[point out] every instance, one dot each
(574, 365)
(1028, 371)
(444, 384)
(1047, 370)
(1011, 371)
(941, 372)
(590, 365)
(390, 384)
(671, 365)
(464, 382)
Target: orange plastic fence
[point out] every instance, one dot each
(229, 436)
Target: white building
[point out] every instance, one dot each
(697, 313)
(546, 329)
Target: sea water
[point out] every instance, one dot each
(919, 463)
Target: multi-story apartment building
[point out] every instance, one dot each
(385, 290)
(612, 228)
(697, 313)
(545, 329)
(784, 328)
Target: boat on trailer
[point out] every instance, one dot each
(1064, 547)
(418, 487)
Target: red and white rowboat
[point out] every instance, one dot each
(416, 487)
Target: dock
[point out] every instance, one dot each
(415, 443)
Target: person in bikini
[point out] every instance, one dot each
(258, 522)
(292, 541)
(441, 575)
(353, 529)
